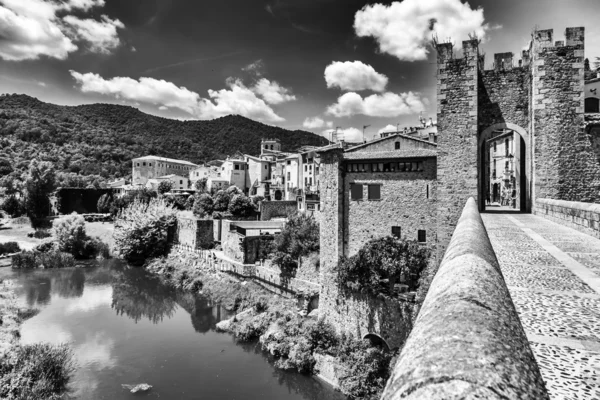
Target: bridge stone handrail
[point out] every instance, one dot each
(467, 341)
(584, 217)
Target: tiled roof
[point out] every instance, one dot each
(409, 153)
(416, 138)
(171, 160)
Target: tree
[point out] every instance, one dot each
(203, 205)
(221, 201)
(164, 187)
(13, 206)
(383, 262)
(240, 206)
(104, 203)
(39, 184)
(299, 237)
(201, 185)
(5, 167)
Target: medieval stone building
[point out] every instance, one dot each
(539, 102)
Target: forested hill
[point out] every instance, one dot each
(101, 139)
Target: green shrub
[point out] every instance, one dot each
(71, 237)
(46, 247)
(23, 220)
(367, 368)
(104, 203)
(142, 230)
(48, 259)
(381, 263)
(35, 371)
(13, 206)
(240, 205)
(164, 187)
(40, 233)
(203, 205)
(9, 248)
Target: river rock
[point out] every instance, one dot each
(140, 387)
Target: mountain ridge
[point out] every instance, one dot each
(101, 139)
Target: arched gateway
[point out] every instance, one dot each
(504, 168)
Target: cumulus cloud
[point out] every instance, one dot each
(31, 29)
(354, 75)
(387, 128)
(84, 5)
(316, 122)
(101, 35)
(404, 29)
(350, 134)
(272, 92)
(376, 105)
(236, 99)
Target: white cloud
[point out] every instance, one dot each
(404, 29)
(376, 105)
(237, 99)
(255, 68)
(388, 128)
(30, 29)
(101, 35)
(272, 92)
(354, 75)
(163, 108)
(350, 135)
(316, 122)
(83, 4)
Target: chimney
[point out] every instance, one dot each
(432, 137)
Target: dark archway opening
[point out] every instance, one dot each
(377, 341)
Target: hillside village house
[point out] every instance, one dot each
(177, 182)
(152, 167)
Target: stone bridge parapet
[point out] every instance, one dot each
(467, 341)
(584, 217)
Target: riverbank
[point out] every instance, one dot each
(28, 371)
(298, 341)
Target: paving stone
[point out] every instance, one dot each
(542, 277)
(568, 373)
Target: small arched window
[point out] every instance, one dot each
(592, 105)
(397, 145)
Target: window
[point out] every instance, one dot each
(266, 146)
(137, 164)
(149, 164)
(397, 145)
(422, 236)
(237, 167)
(305, 168)
(310, 181)
(289, 175)
(310, 167)
(144, 164)
(181, 182)
(506, 147)
(506, 165)
(494, 147)
(265, 166)
(271, 147)
(374, 192)
(356, 191)
(288, 162)
(396, 231)
(427, 191)
(592, 105)
(401, 167)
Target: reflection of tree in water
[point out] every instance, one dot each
(136, 294)
(305, 385)
(68, 282)
(205, 314)
(36, 287)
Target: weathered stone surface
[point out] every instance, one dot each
(583, 217)
(467, 341)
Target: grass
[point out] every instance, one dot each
(34, 371)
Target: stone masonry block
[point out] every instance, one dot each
(539, 62)
(577, 65)
(579, 53)
(539, 106)
(442, 96)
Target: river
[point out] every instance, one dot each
(125, 327)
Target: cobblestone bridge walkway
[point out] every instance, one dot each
(553, 274)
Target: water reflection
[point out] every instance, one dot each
(126, 327)
(138, 295)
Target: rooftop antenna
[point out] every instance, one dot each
(363, 136)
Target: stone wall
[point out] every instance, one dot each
(584, 217)
(467, 341)
(407, 201)
(277, 209)
(194, 233)
(389, 143)
(565, 162)
(457, 105)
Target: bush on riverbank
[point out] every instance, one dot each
(36, 259)
(142, 230)
(9, 248)
(35, 371)
(72, 238)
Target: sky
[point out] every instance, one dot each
(314, 65)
